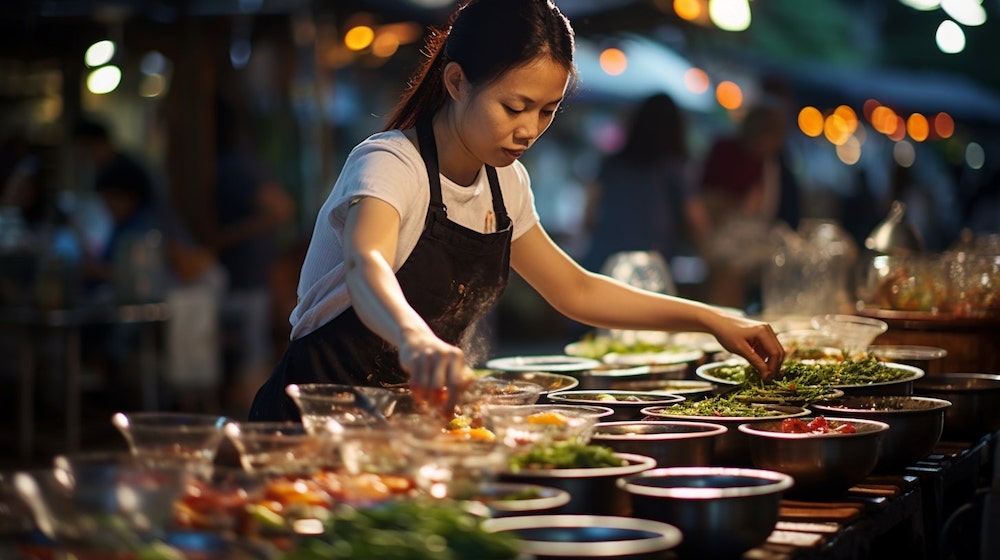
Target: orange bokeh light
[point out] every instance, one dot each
(849, 117)
(811, 121)
(944, 125)
(689, 10)
(868, 107)
(898, 131)
(884, 119)
(917, 127)
(696, 80)
(729, 95)
(613, 61)
(836, 129)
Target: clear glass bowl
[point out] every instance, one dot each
(172, 438)
(282, 447)
(852, 332)
(346, 404)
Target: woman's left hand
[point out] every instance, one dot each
(754, 340)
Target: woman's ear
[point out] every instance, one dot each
(454, 80)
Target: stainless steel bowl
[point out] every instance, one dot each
(550, 382)
(731, 449)
(592, 490)
(822, 464)
(691, 389)
(672, 444)
(915, 424)
(721, 512)
(503, 499)
(564, 536)
(975, 403)
(627, 405)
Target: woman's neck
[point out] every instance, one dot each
(455, 160)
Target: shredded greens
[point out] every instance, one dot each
(720, 405)
(566, 455)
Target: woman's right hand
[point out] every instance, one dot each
(438, 372)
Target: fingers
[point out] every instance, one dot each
(765, 352)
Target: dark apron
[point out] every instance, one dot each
(453, 277)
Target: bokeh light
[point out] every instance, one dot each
(950, 38)
(729, 95)
(613, 61)
(729, 15)
(689, 10)
(99, 53)
(810, 121)
(104, 79)
(696, 80)
(975, 156)
(904, 154)
(359, 37)
(850, 151)
(944, 125)
(917, 127)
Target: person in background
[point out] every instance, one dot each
(149, 256)
(742, 189)
(644, 197)
(250, 207)
(417, 238)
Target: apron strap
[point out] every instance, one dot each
(428, 151)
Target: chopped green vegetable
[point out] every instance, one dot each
(566, 455)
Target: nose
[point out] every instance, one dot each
(527, 131)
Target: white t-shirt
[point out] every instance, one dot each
(388, 166)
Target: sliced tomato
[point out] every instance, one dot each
(845, 428)
(794, 426)
(819, 425)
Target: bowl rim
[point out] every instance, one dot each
(505, 375)
(569, 396)
(933, 383)
(801, 411)
(665, 537)
(637, 464)
(704, 372)
(779, 482)
(711, 430)
(879, 427)
(595, 411)
(550, 497)
(939, 405)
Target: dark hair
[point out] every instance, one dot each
(486, 38)
(125, 175)
(656, 132)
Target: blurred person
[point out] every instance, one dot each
(415, 243)
(150, 256)
(644, 197)
(250, 207)
(742, 188)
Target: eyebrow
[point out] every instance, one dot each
(529, 101)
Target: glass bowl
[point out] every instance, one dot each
(172, 438)
(346, 404)
(853, 333)
(281, 447)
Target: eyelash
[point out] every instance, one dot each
(546, 112)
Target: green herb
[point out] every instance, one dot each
(566, 455)
(720, 405)
(405, 530)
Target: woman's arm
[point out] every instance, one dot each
(601, 301)
(370, 236)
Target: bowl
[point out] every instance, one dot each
(281, 447)
(608, 376)
(491, 391)
(920, 357)
(550, 382)
(853, 332)
(346, 404)
(563, 536)
(722, 512)
(592, 490)
(110, 504)
(539, 424)
(690, 389)
(445, 466)
(915, 424)
(627, 405)
(505, 499)
(730, 449)
(671, 444)
(823, 464)
(890, 378)
(975, 403)
(172, 438)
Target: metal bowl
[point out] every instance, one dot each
(592, 490)
(550, 382)
(722, 512)
(902, 386)
(627, 405)
(672, 444)
(691, 389)
(505, 499)
(822, 464)
(565, 536)
(915, 424)
(609, 376)
(975, 403)
(731, 449)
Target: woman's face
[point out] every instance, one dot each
(499, 121)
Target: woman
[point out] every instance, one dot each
(415, 242)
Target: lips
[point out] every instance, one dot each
(513, 153)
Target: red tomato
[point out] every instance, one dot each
(819, 425)
(845, 428)
(794, 426)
